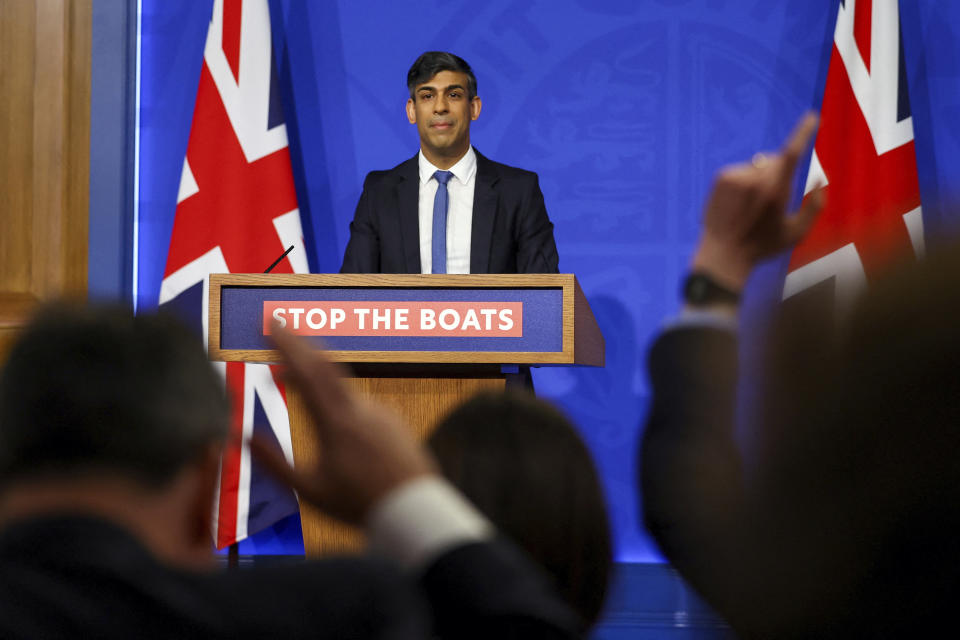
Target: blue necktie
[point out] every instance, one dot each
(439, 252)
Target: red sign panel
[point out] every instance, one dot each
(396, 318)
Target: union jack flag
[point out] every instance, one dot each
(864, 154)
(236, 213)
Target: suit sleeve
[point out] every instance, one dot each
(478, 586)
(362, 254)
(536, 248)
(492, 590)
(768, 555)
(690, 466)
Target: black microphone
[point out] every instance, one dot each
(277, 261)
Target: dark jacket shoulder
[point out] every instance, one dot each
(485, 164)
(408, 169)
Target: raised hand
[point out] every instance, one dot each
(365, 450)
(746, 217)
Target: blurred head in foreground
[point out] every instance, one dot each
(522, 463)
(860, 481)
(119, 415)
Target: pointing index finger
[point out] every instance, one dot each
(798, 141)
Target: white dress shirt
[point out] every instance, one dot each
(459, 212)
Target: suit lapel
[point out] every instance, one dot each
(408, 196)
(484, 215)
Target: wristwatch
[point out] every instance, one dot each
(700, 290)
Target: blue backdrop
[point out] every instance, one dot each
(625, 109)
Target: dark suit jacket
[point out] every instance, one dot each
(77, 577)
(807, 546)
(724, 542)
(511, 232)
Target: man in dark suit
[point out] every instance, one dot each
(111, 428)
(449, 209)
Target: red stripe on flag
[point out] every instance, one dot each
(862, 26)
(230, 462)
(230, 40)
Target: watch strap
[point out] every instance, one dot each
(700, 290)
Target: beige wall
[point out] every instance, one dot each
(44, 154)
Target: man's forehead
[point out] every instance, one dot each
(445, 79)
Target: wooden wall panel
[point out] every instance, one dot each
(44, 154)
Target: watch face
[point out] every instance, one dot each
(700, 289)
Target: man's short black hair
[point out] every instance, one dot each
(431, 63)
(93, 389)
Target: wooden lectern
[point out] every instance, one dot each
(418, 343)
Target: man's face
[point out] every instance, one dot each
(442, 111)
